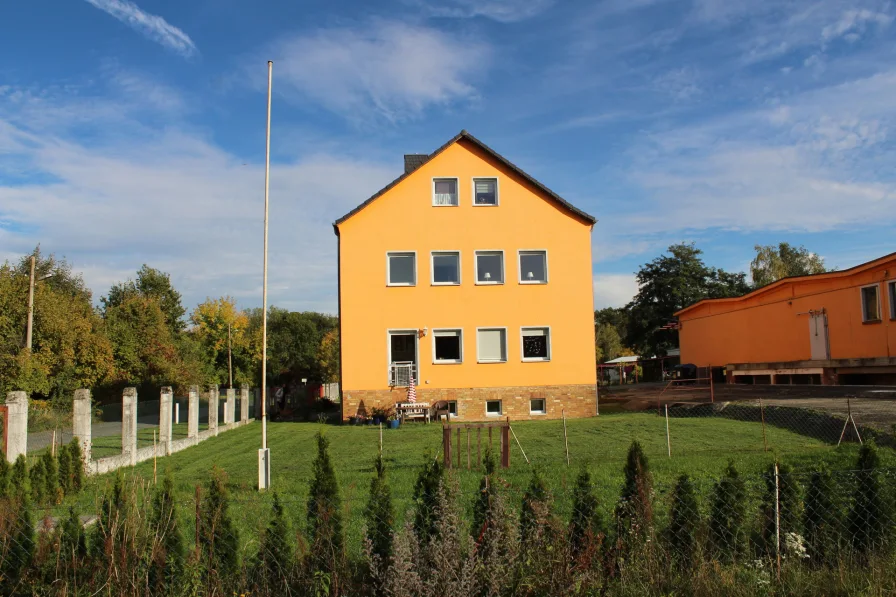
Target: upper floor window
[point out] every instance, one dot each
(445, 267)
(870, 303)
(485, 191)
(533, 267)
(489, 267)
(444, 191)
(892, 292)
(536, 344)
(401, 269)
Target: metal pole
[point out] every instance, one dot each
(778, 521)
(264, 460)
(30, 308)
(668, 438)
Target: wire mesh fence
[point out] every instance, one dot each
(778, 532)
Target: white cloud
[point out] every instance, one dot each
(614, 290)
(173, 200)
(504, 11)
(385, 69)
(853, 23)
(151, 26)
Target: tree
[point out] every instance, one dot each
(275, 553)
(536, 507)
(869, 518)
(609, 344)
(634, 513)
(217, 324)
(52, 491)
(218, 536)
(617, 317)
(426, 497)
(728, 515)
(773, 263)
(328, 356)
(586, 526)
(167, 558)
(380, 514)
(324, 512)
(786, 494)
(155, 285)
(821, 518)
(668, 284)
(684, 520)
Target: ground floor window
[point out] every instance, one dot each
(870, 304)
(447, 346)
(493, 408)
(536, 344)
(537, 406)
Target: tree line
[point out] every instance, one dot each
(140, 334)
(679, 278)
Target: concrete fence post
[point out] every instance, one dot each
(17, 419)
(213, 409)
(166, 400)
(129, 424)
(193, 412)
(230, 417)
(244, 403)
(83, 419)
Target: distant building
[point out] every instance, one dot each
(473, 279)
(831, 328)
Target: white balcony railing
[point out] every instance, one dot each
(400, 374)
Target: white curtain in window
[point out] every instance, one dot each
(445, 192)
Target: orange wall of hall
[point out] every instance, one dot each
(404, 220)
(772, 326)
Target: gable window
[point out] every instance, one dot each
(493, 408)
(870, 304)
(489, 267)
(445, 267)
(891, 292)
(447, 346)
(401, 269)
(533, 267)
(444, 191)
(536, 344)
(537, 406)
(485, 191)
(492, 343)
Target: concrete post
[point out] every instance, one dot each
(17, 432)
(129, 424)
(244, 403)
(83, 416)
(231, 406)
(213, 409)
(176, 412)
(193, 412)
(166, 400)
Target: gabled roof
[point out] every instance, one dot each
(504, 161)
(856, 269)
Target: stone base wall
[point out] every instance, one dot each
(577, 400)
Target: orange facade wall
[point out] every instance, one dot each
(772, 326)
(404, 219)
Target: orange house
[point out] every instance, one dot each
(474, 279)
(832, 328)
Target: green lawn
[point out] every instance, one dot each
(701, 447)
(101, 447)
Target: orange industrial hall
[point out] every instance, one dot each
(832, 328)
(470, 281)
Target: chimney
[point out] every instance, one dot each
(412, 161)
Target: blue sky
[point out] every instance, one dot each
(134, 133)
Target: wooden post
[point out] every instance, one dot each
(489, 438)
(668, 437)
(505, 445)
(479, 446)
(446, 445)
(198, 514)
(468, 449)
(53, 445)
(459, 452)
(851, 418)
(154, 454)
(565, 437)
(762, 414)
(381, 439)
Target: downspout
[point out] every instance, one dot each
(339, 312)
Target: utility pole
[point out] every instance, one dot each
(229, 358)
(30, 307)
(264, 455)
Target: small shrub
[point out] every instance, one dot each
(684, 521)
(869, 519)
(482, 514)
(788, 499)
(426, 494)
(536, 505)
(18, 480)
(52, 491)
(21, 541)
(64, 469)
(275, 554)
(634, 513)
(4, 476)
(821, 519)
(109, 530)
(218, 537)
(38, 480)
(76, 456)
(324, 513)
(379, 514)
(167, 557)
(586, 525)
(728, 515)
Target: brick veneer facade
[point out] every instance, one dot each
(576, 400)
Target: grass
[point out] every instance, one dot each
(701, 447)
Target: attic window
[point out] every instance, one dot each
(444, 191)
(485, 191)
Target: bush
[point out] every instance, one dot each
(684, 522)
(324, 513)
(275, 555)
(19, 540)
(788, 499)
(76, 473)
(109, 531)
(426, 495)
(535, 508)
(52, 490)
(4, 476)
(634, 514)
(167, 558)
(379, 515)
(586, 525)
(870, 523)
(64, 469)
(482, 507)
(218, 537)
(18, 480)
(821, 519)
(38, 479)
(728, 515)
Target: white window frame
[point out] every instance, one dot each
(486, 328)
(862, 302)
(497, 191)
(500, 412)
(454, 402)
(891, 298)
(456, 191)
(476, 267)
(432, 268)
(403, 331)
(550, 341)
(543, 411)
(519, 265)
(389, 267)
(460, 340)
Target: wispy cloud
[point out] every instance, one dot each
(151, 26)
(505, 11)
(385, 69)
(853, 23)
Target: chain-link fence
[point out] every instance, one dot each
(782, 531)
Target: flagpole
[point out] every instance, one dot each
(264, 460)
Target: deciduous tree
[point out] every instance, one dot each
(784, 260)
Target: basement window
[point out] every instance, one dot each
(537, 406)
(870, 304)
(493, 408)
